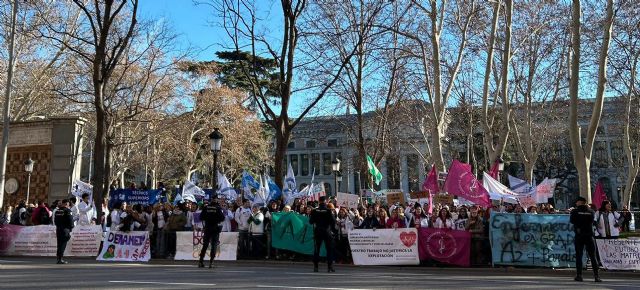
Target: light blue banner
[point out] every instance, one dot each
(540, 240)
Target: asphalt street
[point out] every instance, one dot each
(43, 273)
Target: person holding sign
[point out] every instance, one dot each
(324, 223)
(582, 218)
(211, 216)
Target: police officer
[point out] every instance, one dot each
(64, 225)
(324, 226)
(582, 218)
(211, 216)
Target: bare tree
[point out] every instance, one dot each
(582, 151)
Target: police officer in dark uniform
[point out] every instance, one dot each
(324, 225)
(582, 218)
(64, 225)
(211, 216)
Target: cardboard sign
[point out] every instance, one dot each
(393, 197)
(347, 200)
(419, 194)
(443, 199)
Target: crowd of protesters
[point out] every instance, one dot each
(253, 221)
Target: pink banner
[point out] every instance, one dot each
(41, 241)
(461, 182)
(445, 245)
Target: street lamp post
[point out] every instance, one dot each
(335, 164)
(216, 143)
(28, 167)
(339, 179)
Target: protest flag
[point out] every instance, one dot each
(461, 182)
(377, 176)
(598, 195)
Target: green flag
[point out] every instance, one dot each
(291, 231)
(377, 176)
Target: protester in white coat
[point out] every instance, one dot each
(256, 229)
(85, 211)
(607, 222)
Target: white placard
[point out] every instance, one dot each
(384, 247)
(126, 246)
(347, 200)
(620, 254)
(189, 245)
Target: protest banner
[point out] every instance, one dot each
(189, 245)
(125, 246)
(384, 247)
(419, 194)
(527, 201)
(444, 199)
(41, 241)
(347, 200)
(532, 240)
(133, 196)
(622, 254)
(445, 245)
(292, 231)
(395, 197)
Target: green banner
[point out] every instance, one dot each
(291, 231)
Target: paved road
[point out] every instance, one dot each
(29, 273)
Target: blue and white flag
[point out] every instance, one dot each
(273, 189)
(497, 191)
(248, 181)
(225, 188)
(521, 187)
(289, 181)
(178, 199)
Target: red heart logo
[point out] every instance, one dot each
(408, 238)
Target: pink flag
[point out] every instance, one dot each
(598, 195)
(493, 172)
(461, 182)
(431, 182)
(445, 245)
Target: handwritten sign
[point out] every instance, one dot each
(419, 194)
(532, 240)
(622, 254)
(443, 199)
(347, 200)
(393, 197)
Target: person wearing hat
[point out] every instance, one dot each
(324, 223)
(211, 216)
(582, 218)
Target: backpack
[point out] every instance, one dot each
(44, 217)
(15, 218)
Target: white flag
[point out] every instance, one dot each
(191, 189)
(521, 187)
(497, 190)
(79, 188)
(544, 190)
(225, 188)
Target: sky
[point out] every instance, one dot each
(193, 24)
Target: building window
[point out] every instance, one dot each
(393, 171)
(617, 154)
(600, 156)
(294, 163)
(327, 189)
(413, 167)
(315, 163)
(291, 145)
(310, 144)
(326, 164)
(332, 142)
(304, 163)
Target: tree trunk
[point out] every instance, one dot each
(99, 154)
(582, 153)
(7, 101)
(282, 140)
(628, 189)
(528, 171)
(437, 147)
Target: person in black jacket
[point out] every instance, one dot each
(211, 216)
(64, 225)
(324, 223)
(582, 218)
